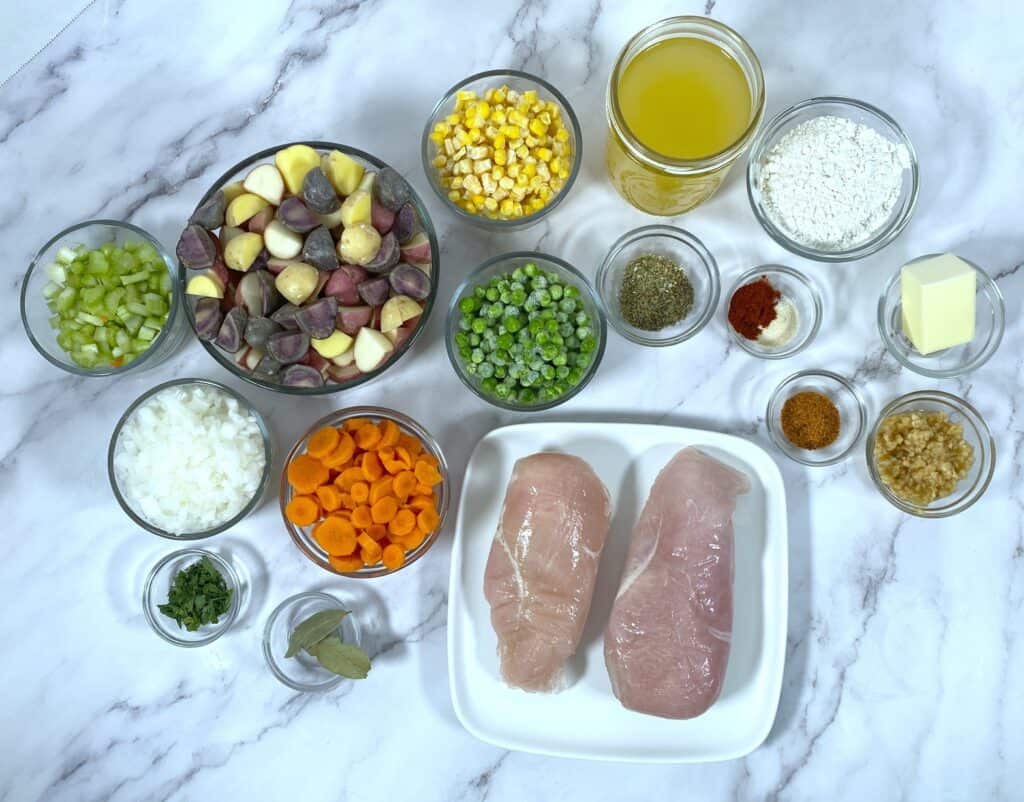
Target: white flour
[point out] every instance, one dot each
(831, 183)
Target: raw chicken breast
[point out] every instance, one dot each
(542, 566)
(667, 641)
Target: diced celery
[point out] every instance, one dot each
(56, 273)
(66, 256)
(154, 322)
(147, 333)
(137, 309)
(134, 278)
(132, 324)
(50, 289)
(55, 322)
(65, 299)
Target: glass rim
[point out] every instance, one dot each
(885, 235)
(271, 660)
(713, 161)
(845, 384)
(480, 220)
(403, 421)
(816, 304)
(985, 282)
(560, 264)
(706, 258)
(231, 578)
(173, 311)
(328, 388)
(249, 506)
(986, 445)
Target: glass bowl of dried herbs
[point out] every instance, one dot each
(659, 285)
(191, 597)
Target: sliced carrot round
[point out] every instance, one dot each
(403, 523)
(380, 489)
(403, 485)
(410, 443)
(371, 467)
(322, 442)
(377, 531)
(413, 540)
(389, 433)
(393, 556)
(421, 502)
(329, 496)
(361, 517)
(336, 536)
(346, 565)
(348, 478)
(427, 520)
(368, 436)
(306, 474)
(384, 510)
(360, 492)
(342, 452)
(352, 424)
(302, 510)
(426, 473)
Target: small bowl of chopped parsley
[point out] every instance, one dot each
(525, 331)
(191, 597)
(659, 285)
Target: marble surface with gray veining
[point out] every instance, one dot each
(905, 663)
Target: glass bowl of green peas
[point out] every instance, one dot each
(525, 331)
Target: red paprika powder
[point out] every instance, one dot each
(752, 307)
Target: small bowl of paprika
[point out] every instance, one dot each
(816, 417)
(773, 311)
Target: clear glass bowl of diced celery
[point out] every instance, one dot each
(525, 331)
(100, 299)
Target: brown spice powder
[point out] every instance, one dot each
(810, 420)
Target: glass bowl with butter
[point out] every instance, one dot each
(797, 312)
(941, 316)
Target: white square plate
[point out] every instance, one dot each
(586, 720)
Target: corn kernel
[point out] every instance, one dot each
(563, 173)
(457, 182)
(477, 152)
(536, 204)
(555, 164)
(497, 172)
(529, 169)
(453, 119)
(449, 146)
(517, 210)
(543, 172)
(543, 154)
(489, 183)
(490, 204)
(453, 195)
(470, 207)
(482, 166)
(507, 183)
(477, 199)
(472, 183)
(507, 207)
(544, 193)
(465, 94)
(499, 157)
(531, 141)
(512, 171)
(500, 194)
(562, 135)
(437, 136)
(439, 161)
(498, 116)
(538, 127)
(499, 141)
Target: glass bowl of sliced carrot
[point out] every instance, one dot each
(365, 492)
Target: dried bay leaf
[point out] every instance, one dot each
(343, 659)
(313, 630)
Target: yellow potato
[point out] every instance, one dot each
(242, 251)
(342, 171)
(294, 162)
(242, 208)
(334, 346)
(359, 244)
(232, 191)
(206, 285)
(356, 209)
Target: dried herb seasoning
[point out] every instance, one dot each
(198, 595)
(655, 293)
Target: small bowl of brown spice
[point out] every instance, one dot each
(816, 417)
(658, 285)
(931, 454)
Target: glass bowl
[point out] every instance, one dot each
(800, 291)
(975, 432)
(683, 248)
(303, 535)
(505, 263)
(237, 173)
(248, 508)
(35, 313)
(303, 672)
(520, 81)
(988, 331)
(858, 112)
(842, 393)
(158, 585)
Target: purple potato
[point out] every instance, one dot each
(267, 367)
(386, 257)
(302, 376)
(285, 317)
(230, 336)
(288, 347)
(353, 318)
(318, 192)
(257, 292)
(390, 189)
(208, 317)
(296, 215)
(343, 284)
(319, 249)
(196, 248)
(319, 318)
(374, 291)
(259, 329)
(408, 280)
(406, 224)
(381, 217)
(210, 215)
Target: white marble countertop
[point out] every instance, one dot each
(904, 671)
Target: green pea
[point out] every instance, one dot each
(488, 385)
(503, 390)
(499, 372)
(518, 274)
(492, 294)
(477, 356)
(479, 325)
(474, 339)
(527, 396)
(560, 359)
(531, 270)
(548, 372)
(480, 293)
(518, 297)
(465, 351)
(556, 291)
(567, 305)
(485, 369)
(468, 305)
(513, 324)
(572, 292)
(464, 324)
(588, 344)
(561, 371)
(539, 283)
(496, 311)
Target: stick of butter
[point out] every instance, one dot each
(938, 302)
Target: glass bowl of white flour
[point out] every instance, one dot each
(832, 179)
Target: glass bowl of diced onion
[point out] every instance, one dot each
(115, 312)
(495, 187)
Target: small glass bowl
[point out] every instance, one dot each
(989, 312)
(506, 263)
(520, 81)
(976, 432)
(842, 393)
(858, 112)
(303, 672)
(158, 585)
(248, 508)
(303, 535)
(800, 291)
(684, 249)
(226, 360)
(35, 314)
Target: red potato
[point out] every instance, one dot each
(417, 250)
(343, 284)
(275, 265)
(315, 361)
(381, 217)
(344, 373)
(352, 318)
(258, 223)
(402, 333)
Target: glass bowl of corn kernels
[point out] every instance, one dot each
(502, 149)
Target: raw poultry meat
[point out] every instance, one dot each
(543, 562)
(667, 641)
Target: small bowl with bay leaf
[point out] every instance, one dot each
(191, 597)
(659, 285)
(311, 643)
